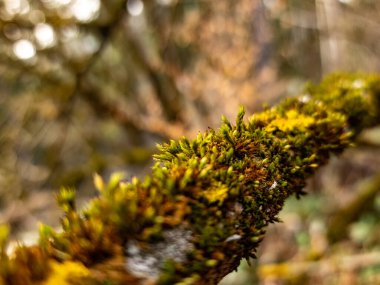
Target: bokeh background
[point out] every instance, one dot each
(90, 86)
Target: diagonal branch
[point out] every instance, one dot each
(208, 201)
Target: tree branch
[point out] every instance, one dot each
(208, 201)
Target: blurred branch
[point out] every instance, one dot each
(174, 60)
(164, 86)
(324, 267)
(78, 90)
(344, 217)
(106, 32)
(370, 139)
(108, 109)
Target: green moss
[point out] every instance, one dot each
(224, 187)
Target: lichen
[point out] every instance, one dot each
(149, 260)
(220, 189)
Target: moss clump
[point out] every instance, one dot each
(61, 273)
(285, 122)
(208, 200)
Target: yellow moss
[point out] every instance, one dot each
(281, 270)
(216, 193)
(61, 272)
(291, 120)
(99, 182)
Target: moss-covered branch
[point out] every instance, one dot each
(208, 200)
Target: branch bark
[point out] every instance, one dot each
(208, 200)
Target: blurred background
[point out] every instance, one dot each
(90, 86)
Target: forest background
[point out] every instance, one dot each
(90, 86)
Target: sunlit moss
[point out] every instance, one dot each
(218, 193)
(290, 120)
(62, 273)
